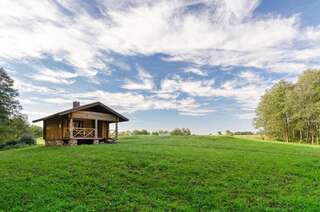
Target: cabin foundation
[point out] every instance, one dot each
(72, 142)
(54, 142)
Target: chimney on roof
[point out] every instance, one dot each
(76, 104)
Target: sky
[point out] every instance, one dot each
(200, 64)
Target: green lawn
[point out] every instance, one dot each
(158, 173)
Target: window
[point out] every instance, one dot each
(78, 124)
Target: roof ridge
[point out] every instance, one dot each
(64, 112)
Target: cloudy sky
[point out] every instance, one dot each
(201, 64)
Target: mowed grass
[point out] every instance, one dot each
(162, 173)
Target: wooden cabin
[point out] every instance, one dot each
(82, 124)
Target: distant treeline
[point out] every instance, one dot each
(229, 132)
(14, 127)
(291, 111)
(176, 131)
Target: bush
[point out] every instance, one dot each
(27, 139)
(11, 143)
(23, 141)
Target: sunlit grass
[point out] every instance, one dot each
(40, 141)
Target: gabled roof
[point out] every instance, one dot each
(84, 107)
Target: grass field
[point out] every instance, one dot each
(157, 173)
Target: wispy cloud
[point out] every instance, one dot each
(196, 71)
(219, 34)
(54, 76)
(144, 82)
(30, 87)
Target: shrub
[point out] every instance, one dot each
(27, 139)
(11, 143)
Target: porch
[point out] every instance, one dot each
(82, 128)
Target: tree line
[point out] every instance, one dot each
(14, 127)
(174, 132)
(291, 111)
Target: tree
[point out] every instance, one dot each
(9, 108)
(228, 132)
(272, 113)
(291, 112)
(141, 132)
(9, 105)
(183, 131)
(36, 131)
(305, 102)
(155, 133)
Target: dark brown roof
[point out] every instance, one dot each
(83, 107)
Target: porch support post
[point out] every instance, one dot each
(96, 128)
(117, 129)
(71, 128)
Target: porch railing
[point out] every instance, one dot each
(84, 132)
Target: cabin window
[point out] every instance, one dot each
(78, 124)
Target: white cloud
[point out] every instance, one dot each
(196, 70)
(54, 76)
(312, 33)
(223, 33)
(24, 87)
(145, 82)
(246, 89)
(130, 102)
(250, 76)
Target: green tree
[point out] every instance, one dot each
(178, 131)
(9, 105)
(141, 132)
(13, 125)
(292, 111)
(229, 132)
(36, 131)
(305, 102)
(272, 113)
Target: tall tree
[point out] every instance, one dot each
(272, 114)
(11, 121)
(307, 103)
(9, 105)
(292, 111)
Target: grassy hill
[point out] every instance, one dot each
(156, 173)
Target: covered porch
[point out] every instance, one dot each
(91, 129)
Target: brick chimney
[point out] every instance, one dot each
(76, 104)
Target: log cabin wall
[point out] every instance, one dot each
(53, 129)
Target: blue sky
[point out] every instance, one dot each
(201, 64)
